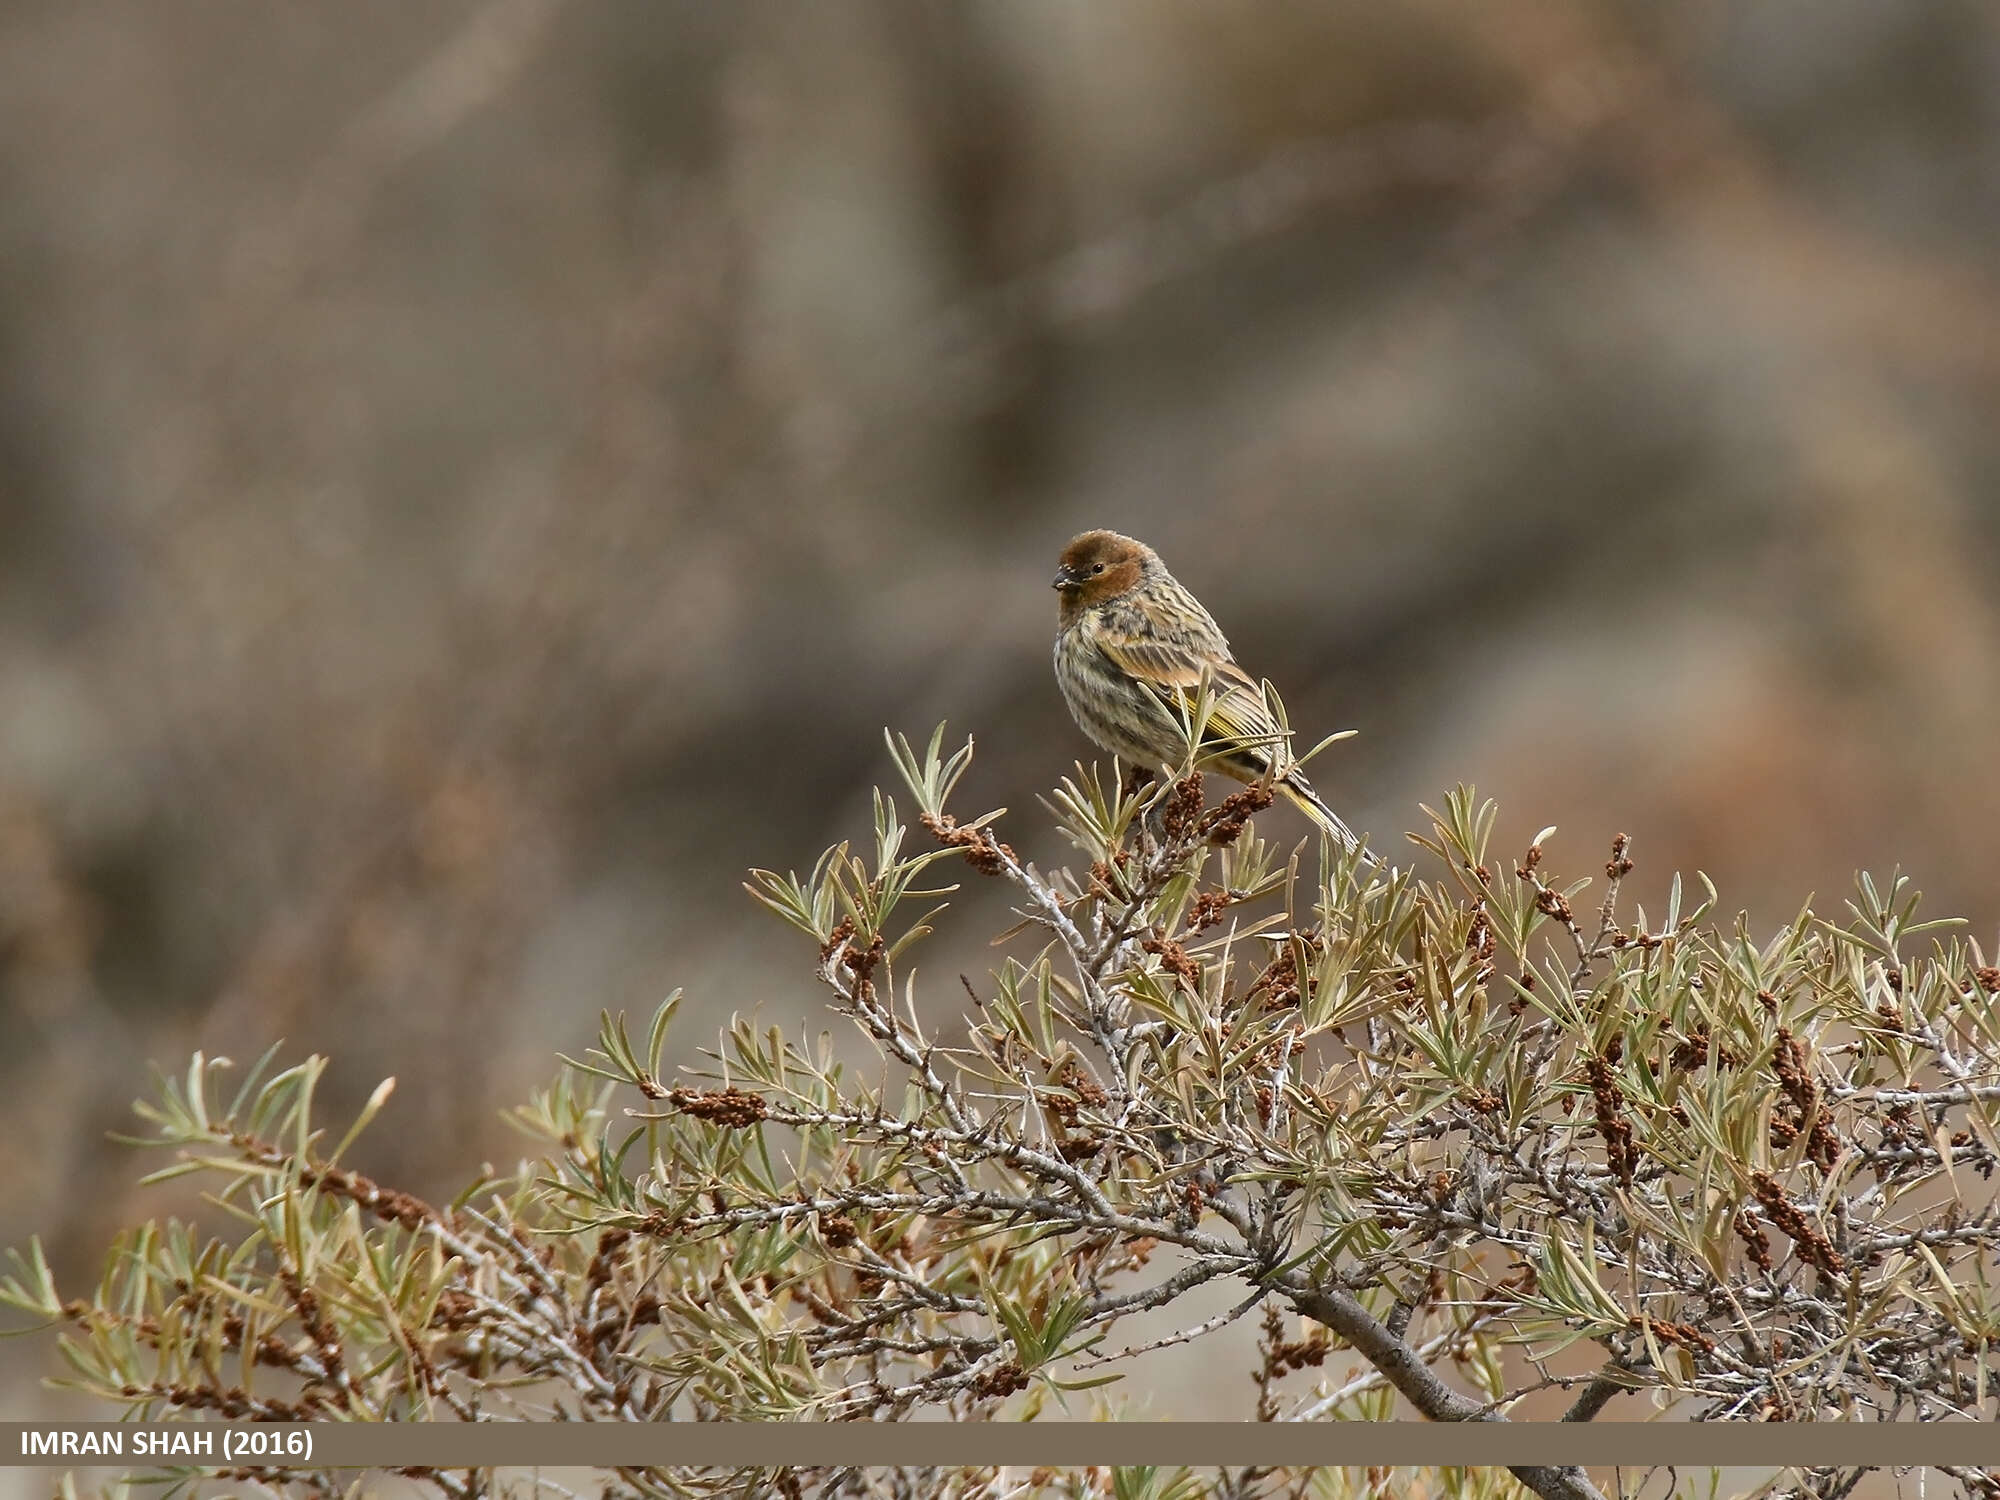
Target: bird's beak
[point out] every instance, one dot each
(1064, 582)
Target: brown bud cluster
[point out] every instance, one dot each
(1754, 1240)
(730, 1108)
(1086, 1090)
(1002, 1380)
(837, 939)
(1298, 1354)
(1900, 1127)
(1479, 939)
(1809, 1113)
(983, 852)
(392, 1205)
(1182, 810)
(1792, 1222)
(1619, 865)
(1621, 1153)
(1279, 983)
(1697, 1047)
(1174, 959)
(610, 1244)
(1519, 1003)
(1104, 878)
(1223, 823)
(863, 962)
(1206, 910)
(1685, 1334)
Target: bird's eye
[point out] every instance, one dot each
(1098, 569)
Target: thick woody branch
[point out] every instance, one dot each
(1405, 1370)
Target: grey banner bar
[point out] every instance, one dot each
(1055, 1444)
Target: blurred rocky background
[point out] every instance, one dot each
(476, 476)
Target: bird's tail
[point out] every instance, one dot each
(1301, 791)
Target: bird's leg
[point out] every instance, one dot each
(1152, 830)
(1136, 779)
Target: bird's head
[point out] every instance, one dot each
(1101, 565)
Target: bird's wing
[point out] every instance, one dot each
(1173, 669)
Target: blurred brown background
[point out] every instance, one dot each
(474, 477)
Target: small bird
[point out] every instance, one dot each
(1132, 648)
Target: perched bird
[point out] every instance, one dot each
(1132, 647)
